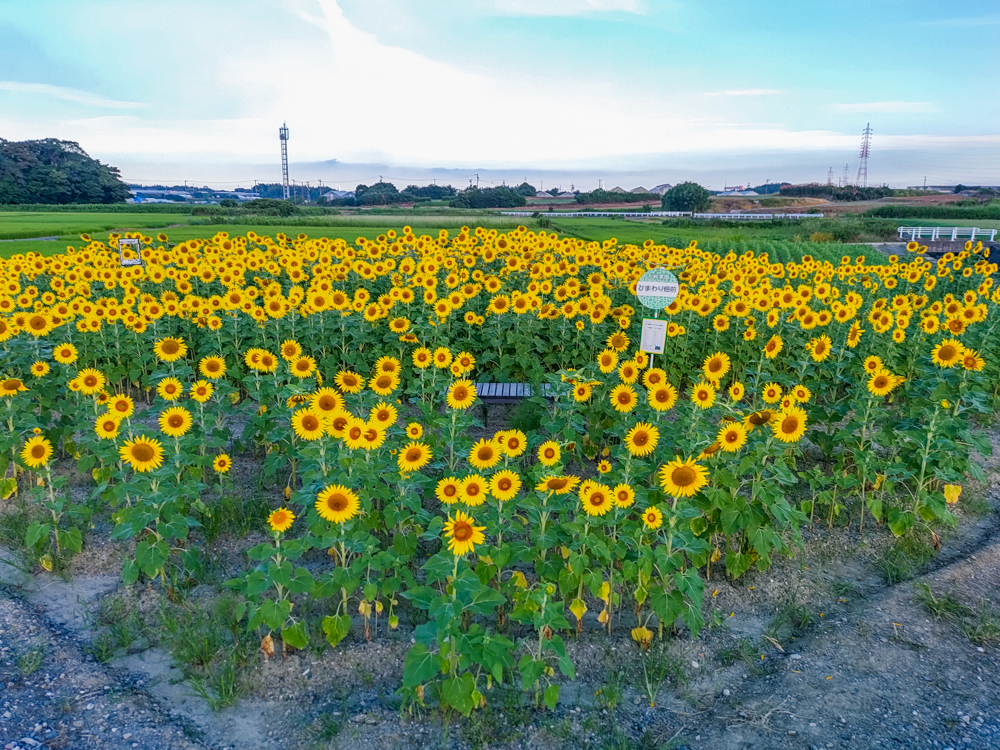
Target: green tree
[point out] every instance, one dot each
(56, 172)
(688, 196)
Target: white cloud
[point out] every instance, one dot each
(744, 92)
(893, 107)
(68, 95)
(567, 7)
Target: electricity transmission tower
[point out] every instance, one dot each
(283, 135)
(829, 178)
(846, 180)
(866, 144)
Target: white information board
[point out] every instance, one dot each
(657, 288)
(654, 335)
(133, 245)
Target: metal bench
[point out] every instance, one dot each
(508, 393)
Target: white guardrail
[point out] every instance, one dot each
(673, 214)
(953, 234)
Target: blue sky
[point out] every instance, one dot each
(648, 90)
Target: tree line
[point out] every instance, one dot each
(51, 171)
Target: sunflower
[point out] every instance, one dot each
(290, 350)
(948, 353)
(654, 377)
(624, 495)
(372, 437)
(607, 360)
(448, 490)
(549, 453)
(308, 424)
(559, 485)
(801, 394)
(504, 485)
(854, 335)
(349, 382)
(485, 454)
(819, 347)
(683, 478)
(36, 452)
(201, 391)
(881, 383)
(873, 364)
(106, 427)
(772, 393)
(142, 454)
(170, 349)
(628, 372)
(422, 358)
(302, 367)
(175, 421)
(384, 383)
(170, 389)
(474, 490)
(384, 415)
(773, 347)
(442, 357)
(280, 520)
(716, 366)
(40, 369)
(121, 406)
(972, 361)
(414, 431)
(267, 362)
(354, 433)
(222, 463)
(703, 395)
(789, 425)
(623, 398)
(597, 500)
(91, 381)
(338, 504)
(513, 443)
(737, 391)
(327, 401)
(462, 534)
(641, 440)
(65, 354)
(461, 394)
(732, 437)
(413, 456)
(652, 518)
(662, 397)
(212, 368)
(581, 392)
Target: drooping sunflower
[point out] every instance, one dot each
(142, 454)
(790, 425)
(652, 518)
(413, 456)
(485, 454)
(308, 424)
(683, 477)
(504, 485)
(623, 398)
(337, 504)
(703, 395)
(212, 367)
(349, 382)
(10, 386)
(948, 353)
(106, 427)
(716, 366)
(662, 397)
(558, 485)
(36, 452)
(280, 520)
(641, 440)
(732, 437)
(549, 453)
(175, 421)
(461, 394)
(222, 463)
(449, 490)
(475, 490)
(65, 354)
(462, 534)
(91, 381)
(170, 349)
(598, 500)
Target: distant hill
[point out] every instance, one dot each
(56, 172)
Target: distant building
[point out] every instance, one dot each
(334, 195)
(566, 194)
(639, 189)
(661, 189)
(617, 189)
(544, 195)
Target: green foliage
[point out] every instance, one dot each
(495, 197)
(949, 213)
(687, 196)
(606, 196)
(53, 171)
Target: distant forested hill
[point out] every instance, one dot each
(53, 171)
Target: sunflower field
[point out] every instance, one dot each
(345, 377)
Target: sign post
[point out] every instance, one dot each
(657, 289)
(133, 244)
